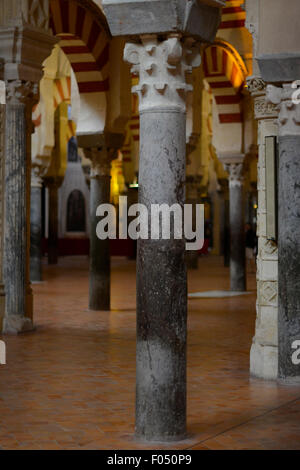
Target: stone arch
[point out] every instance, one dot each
(226, 73)
(84, 37)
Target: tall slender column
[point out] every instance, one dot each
(2, 221)
(237, 227)
(53, 185)
(19, 101)
(225, 223)
(264, 349)
(36, 228)
(288, 231)
(192, 184)
(161, 271)
(99, 298)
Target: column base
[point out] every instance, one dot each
(17, 324)
(161, 439)
(264, 361)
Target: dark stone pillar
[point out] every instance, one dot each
(161, 269)
(237, 228)
(36, 229)
(161, 285)
(99, 249)
(2, 219)
(19, 101)
(53, 186)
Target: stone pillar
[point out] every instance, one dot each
(161, 270)
(237, 226)
(53, 185)
(2, 220)
(288, 230)
(225, 222)
(192, 184)
(264, 350)
(19, 102)
(99, 297)
(36, 228)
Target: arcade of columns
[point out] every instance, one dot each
(183, 146)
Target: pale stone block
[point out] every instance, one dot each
(264, 361)
(269, 271)
(267, 327)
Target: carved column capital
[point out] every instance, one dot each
(263, 109)
(236, 173)
(101, 160)
(286, 100)
(161, 66)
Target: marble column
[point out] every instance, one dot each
(99, 294)
(53, 185)
(288, 231)
(237, 227)
(19, 102)
(2, 220)
(264, 349)
(161, 270)
(36, 228)
(225, 222)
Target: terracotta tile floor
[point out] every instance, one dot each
(70, 384)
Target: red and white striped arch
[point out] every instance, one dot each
(233, 15)
(226, 73)
(85, 39)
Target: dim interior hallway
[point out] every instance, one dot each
(71, 383)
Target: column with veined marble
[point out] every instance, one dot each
(100, 149)
(20, 97)
(161, 271)
(161, 52)
(2, 220)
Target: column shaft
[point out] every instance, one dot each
(17, 215)
(2, 222)
(161, 285)
(99, 249)
(36, 234)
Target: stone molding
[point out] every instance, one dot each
(289, 112)
(161, 66)
(262, 108)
